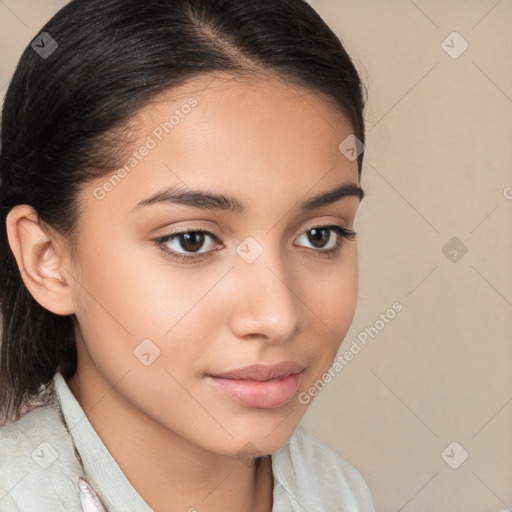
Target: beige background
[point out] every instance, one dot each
(438, 164)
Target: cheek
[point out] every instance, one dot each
(132, 286)
(331, 299)
(132, 300)
(331, 293)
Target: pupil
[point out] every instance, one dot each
(192, 237)
(314, 238)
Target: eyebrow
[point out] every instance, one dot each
(213, 201)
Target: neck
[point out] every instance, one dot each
(170, 472)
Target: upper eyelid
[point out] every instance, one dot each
(192, 229)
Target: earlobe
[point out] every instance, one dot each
(40, 260)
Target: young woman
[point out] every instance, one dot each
(179, 183)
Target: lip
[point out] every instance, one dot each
(260, 386)
(262, 372)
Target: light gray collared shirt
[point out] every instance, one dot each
(52, 460)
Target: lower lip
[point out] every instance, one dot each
(261, 395)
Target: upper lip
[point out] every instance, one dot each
(262, 372)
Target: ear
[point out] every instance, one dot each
(40, 260)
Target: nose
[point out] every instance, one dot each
(265, 303)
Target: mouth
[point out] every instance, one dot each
(260, 386)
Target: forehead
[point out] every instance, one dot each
(245, 106)
(242, 135)
(246, 87)
(245, 117)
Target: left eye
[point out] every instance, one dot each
(320, 236)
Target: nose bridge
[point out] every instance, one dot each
(266, 303)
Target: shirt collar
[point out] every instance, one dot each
(103, 472)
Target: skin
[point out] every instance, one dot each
(177, 439)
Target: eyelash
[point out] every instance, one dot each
(161, 243)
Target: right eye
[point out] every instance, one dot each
(190, 240)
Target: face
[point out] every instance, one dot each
(266, 281)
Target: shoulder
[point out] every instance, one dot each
(317, 475)
(38, 469)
